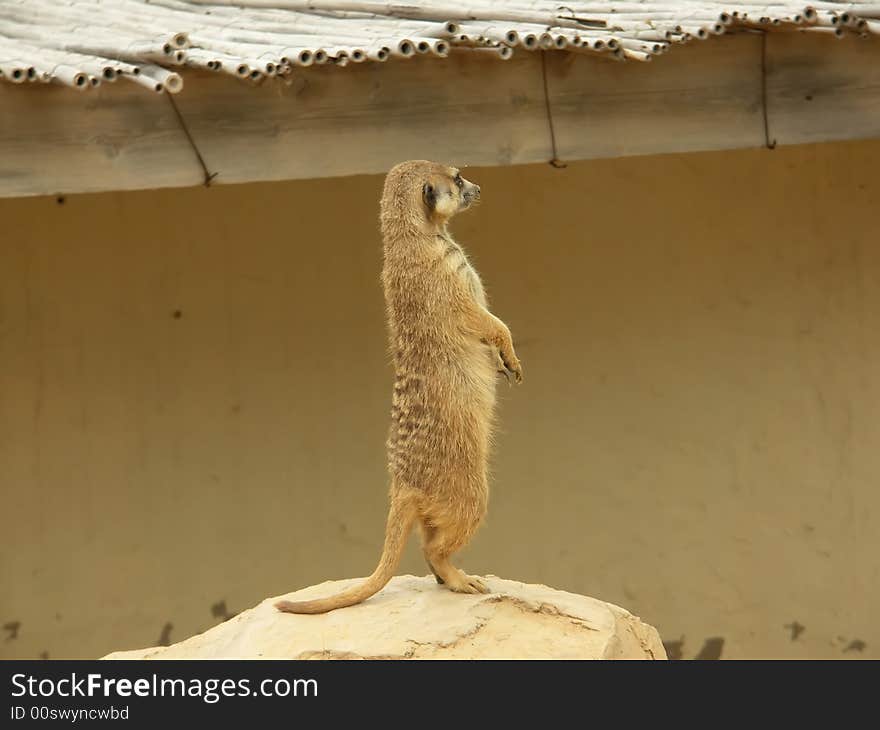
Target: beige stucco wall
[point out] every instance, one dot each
(697, 438)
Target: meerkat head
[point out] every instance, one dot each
(445, 192)
(427, 190)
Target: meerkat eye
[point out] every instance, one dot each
(458, 180)
(429, 195)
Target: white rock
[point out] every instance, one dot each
(414, 618)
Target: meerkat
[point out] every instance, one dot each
(446, 347)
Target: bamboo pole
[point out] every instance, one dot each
(85, 42)
(169, 80)
(54, 13)
(94, 65)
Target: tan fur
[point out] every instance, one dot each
(446, 346)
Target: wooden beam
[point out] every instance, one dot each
(477, 111)
(824, 90)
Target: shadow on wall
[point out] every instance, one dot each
(714, 646)
(711, 649)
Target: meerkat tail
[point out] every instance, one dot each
(401, 517)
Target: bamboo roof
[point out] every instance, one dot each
(83, 43)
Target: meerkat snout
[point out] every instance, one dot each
(471, 193)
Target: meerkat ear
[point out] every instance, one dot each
(429, 195)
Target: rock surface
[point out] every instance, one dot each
(414, 618)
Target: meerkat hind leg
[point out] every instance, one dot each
(437, 554)
(427, 535)
(436, 575)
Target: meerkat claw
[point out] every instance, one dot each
(515, 371)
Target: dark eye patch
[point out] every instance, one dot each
(430, 195)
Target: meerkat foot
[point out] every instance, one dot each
(467, 584)
(447, 574)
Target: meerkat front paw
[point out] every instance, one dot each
(500, 367)
(512, 365)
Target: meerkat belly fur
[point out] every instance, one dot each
(447, 350)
